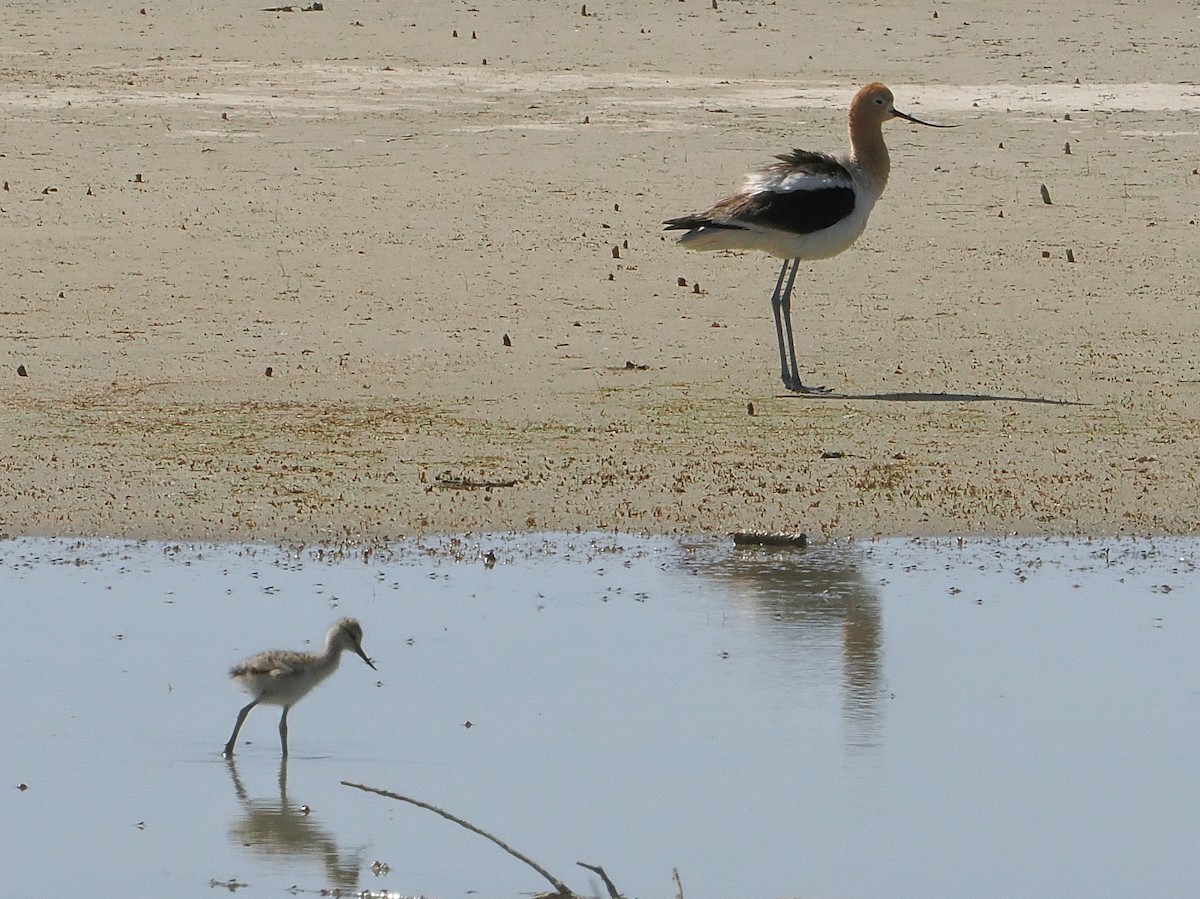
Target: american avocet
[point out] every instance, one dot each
(281, 677)
(805, 206)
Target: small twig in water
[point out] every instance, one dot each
(554, 881)
(762, 538)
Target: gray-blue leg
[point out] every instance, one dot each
(241, 719)
(792, 382)
(791, 379)
(776, 307)
(283, 729)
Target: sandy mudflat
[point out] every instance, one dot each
(350, 198)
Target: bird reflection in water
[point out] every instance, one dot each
(277, 828)
(808, 602)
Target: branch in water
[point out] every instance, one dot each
(558, 885)
(609, 885)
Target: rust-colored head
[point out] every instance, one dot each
(874, 105)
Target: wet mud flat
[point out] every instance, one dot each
(326, 275)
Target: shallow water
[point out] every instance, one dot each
(888, 719)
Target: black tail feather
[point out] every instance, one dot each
(692, 222)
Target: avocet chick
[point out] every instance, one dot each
(282, 677)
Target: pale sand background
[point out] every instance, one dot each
(352, 198)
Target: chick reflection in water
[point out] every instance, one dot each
(278, 828)
(281, 677)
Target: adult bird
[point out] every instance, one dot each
(805, 206)
(282, 677)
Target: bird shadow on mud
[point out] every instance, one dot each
(917, 397)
